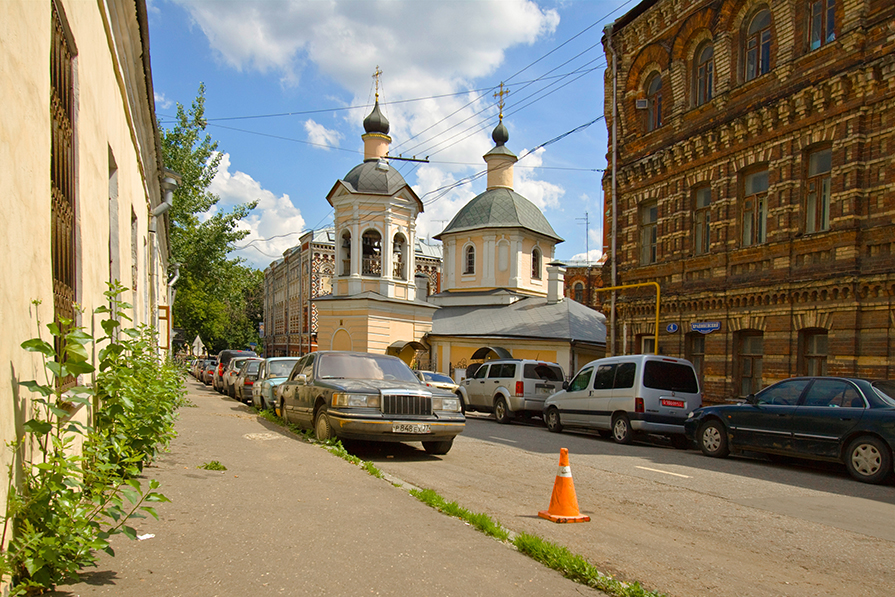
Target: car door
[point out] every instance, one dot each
(500, 377)
(289, 390)
(306, 393)
(259, 383)
(599, 407)
(573, 405)
(475, 388)
(766, 421)
(829, 410)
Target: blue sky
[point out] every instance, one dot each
(289, 83)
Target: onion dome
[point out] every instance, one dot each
(500, 135)
(376, 122)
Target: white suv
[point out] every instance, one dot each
(510, 387)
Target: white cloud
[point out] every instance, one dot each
(322, 136)
(162, 102)
(541, 193)
(274, 225)
(593, 256)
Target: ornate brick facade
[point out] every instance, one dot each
(763, 201)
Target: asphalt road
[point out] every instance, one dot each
(674, 520)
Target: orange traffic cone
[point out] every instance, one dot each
(563, 503)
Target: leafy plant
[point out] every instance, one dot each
(214, 465)
(73, 483)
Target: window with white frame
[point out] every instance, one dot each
(469, 260)
(536, 264)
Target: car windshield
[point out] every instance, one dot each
(437, 377)
(363, 366)
(673, 377)
(252, 367)
(281, 368)
(885, 390)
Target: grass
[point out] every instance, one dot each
(571, 565)
(214, 465)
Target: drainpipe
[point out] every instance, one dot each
(614, 233)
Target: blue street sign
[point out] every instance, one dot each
(705, 327)
(671, 328)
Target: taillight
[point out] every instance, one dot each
(638, 405)
(520, 388)
(248, 383)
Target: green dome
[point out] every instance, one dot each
(500, 208)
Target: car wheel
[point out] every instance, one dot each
(621, 429)
(281, 412)
(322, 429)
(680, 442)
(551, 418)
(439, 448)
(502, 411)
(712, 439)
(868, 459)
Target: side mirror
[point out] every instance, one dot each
(565, 385)
(751, 399)
(302, 379)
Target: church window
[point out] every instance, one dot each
(372, 253)
(758, 45)
(536, 264)
(755, 208)
(399, 258)
(469, 260)
(345, 251)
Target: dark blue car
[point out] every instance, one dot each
(837, 419)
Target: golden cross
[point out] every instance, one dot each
(500, 95)
(376, 74)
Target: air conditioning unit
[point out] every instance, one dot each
(641, 104)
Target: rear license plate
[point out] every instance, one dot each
(410, 428)
(673, 403)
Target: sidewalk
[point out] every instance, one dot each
(289, 518)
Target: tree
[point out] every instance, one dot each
(212, 292)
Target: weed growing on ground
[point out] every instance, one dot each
(214, 465)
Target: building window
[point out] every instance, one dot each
(750, 348)
(817, 199)
(695, 351)
(372, 253)
(346, 253)
(702, 199)
(649, 216)
(536, 264)
(469, 260)
(813, 349)
(654, 103)
(578, 292)
(821, 22)
(399, 258)
(758, 45)
(705, 73)
(755, 208)
(647, 343)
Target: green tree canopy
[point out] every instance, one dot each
(216, 295)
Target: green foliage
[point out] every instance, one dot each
(214, 465)
(74, 484)
(480, 521)
(217, 297)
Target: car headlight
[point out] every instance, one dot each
(356, 400)
(448, 404)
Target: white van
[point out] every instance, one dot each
(621, 396)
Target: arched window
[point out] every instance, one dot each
(399, 258)
(372, 247)
(758, 45)
(345, 252)
(654, 103)
(469, 260)
(705, 73)
(536, 264)
(578, 292)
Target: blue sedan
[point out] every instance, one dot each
(836, 419)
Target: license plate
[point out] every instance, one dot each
(674, 403)
(410, 428)
(545, 390)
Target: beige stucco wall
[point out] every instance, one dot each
(103, 121)
(454, 352)
(502, 260)
(372, 326)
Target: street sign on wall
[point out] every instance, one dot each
(705, 327)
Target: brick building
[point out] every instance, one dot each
(755, 182)
(582, 281)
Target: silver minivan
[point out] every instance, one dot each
(625, 395)
(510, 387)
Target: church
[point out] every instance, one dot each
(501, 294)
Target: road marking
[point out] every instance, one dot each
(655, 470)
(502, 439)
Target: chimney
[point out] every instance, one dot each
(555, 283)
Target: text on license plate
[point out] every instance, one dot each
(410, 428)
(674, 403)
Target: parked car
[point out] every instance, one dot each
(231, 371)
(625, 395)
(272, 373)
(437, 380)
(208, 369)
(836, 419)
(373, 397)
(245, 381)
(223, 360)
(511, 387)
